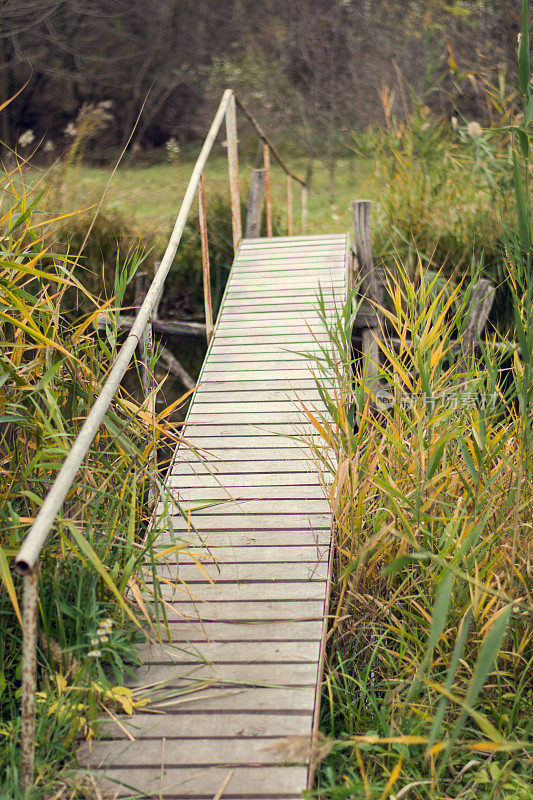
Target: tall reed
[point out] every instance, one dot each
(97, 568)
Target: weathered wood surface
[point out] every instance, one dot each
(241, 670)
(255, 203)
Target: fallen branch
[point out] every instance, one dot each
(170, 362)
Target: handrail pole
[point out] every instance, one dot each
(26, 560)
(205, 261)
(264, 138)
(268, 196)
(289, 206)
(233, 170)
(28, 554)
(29, 653)
(304, 209)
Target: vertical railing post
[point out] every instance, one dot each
(289, 205)
(205, 261)
(370, 287)
(304, 208)
(146, 347)
(233, 169)
(29, 653)
(268, 196)
(255, 204)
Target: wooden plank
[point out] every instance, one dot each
(208, 395)
(242, 467)
(249, 725)
(222, 572)
(245, 493)
(316, 267)
(287, 325)
(233, 482)
(273, 406)
(255, 383)
(241, 591)
(249, 611)
(268, 674)
(255, 522)
(253, 417)
(278, 241)
(231, 631)
(251, 454)
(319, 254)
(206, 447)
(288, 283)
(216, 752)
(202, 512)
(230, 652)
(228, 362)
(332, 292)
(178, 783)
(266, 307)
(246, 611)
(290, 349)
(241, 543)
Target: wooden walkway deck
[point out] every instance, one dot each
(256, 633)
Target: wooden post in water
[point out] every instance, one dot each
(233, 170)
(479, 306)
(289, 205)
(205, 261)
(268, 197)
(255, 204)
(370, 288)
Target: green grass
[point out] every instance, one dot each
(441, 197)
(148, 198)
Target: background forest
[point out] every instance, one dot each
(314, 69)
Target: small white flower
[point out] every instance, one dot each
(454, 123)
(26, 138)
(94, 642)
(94, 654)
(107, 623)
(474, 130)
(48, 146)
(71, 130)
(104, 638)
(101, 632)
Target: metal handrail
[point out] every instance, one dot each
(27, 558)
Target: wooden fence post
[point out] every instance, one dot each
(205, 262)
(268, 196)
(479, 306)
(371, 288)
(289, 205)
(233, 170)
(255, 204)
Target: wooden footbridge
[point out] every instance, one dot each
(248, 634)
(256, 632)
